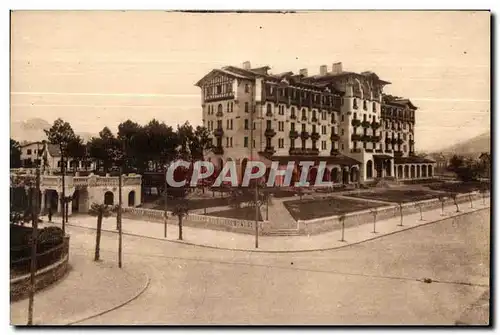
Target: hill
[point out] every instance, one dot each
(32, 130)
(473, 146)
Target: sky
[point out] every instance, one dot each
(99, 68)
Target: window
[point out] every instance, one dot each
(365, 107)
(292, 126)
(219, 108)
(246, 124)
(404, 147)
(342, 118)
(246, 107)
(245, 142)
(28, 152)
(355, 103)
(230, 124)
(303, 143)
(303, 127)
(282, 110)
(227, 108)
(323, 145)
(342, 146)
(333, 117)
(254, 125)
(323, 130)
(219, 124)
(281, 126)
(293, 111)
(281, 143)
(304, 116)
(374, 107)
(231, 142)
(227, 142)
(231, 107)
(364, 117)
(342, 131)
(323, 115)
(254, 143)
(269, 111)
(247, 88)
(268, 142)
(227, 124)
(219, 89)
(314, 128)
(314, 114)
(268, 124)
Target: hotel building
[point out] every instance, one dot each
(341, 118)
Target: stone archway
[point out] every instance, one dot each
(424, 171)
(418, 171)
(345, 176)
(354, 174)
(334, 175)
(400, 171)
(131, 199)
(109, 198)
(369, 169)
(429, 170)
(388, 168)
(407, 170)
(412, 171)
(76, 201)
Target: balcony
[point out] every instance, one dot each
(365, 124)
(379, 150)
(314, 119)
(293, 117)
(270, 132)
(366, 138)
(219, 132)
(304, 118)
(218, 150)
(400, 141)
(304, 151)
(375, 125)
(315, 136)
(356, 137)
(388, 150)
(269, 150)
(376, 138)
(398, 153)
(220, 96)
(219, 114)
(355, 122)
(394, 141)
(355, 151)
(334, 152)
(269, 113)
(334, 137)
(304, 135)
(293, 134)
(412, 142)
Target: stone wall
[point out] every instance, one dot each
(20, 286)
(321, 225)
(195, 220)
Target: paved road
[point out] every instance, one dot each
(375, 282)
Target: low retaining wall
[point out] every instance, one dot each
(195, 220)
(321, 225)
(20, 286)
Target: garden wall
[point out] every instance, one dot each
(321, 225)
(20, 286)
(195, 220)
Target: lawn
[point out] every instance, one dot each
(397, 195)
(464, 187)
(194, 203)
(244, 213)
(317, 208)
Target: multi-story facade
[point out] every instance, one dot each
(340, 118)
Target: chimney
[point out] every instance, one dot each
(337, 68)
(323, 69)
(303, 72)
(247, 65)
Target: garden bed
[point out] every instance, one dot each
(244, 213)
(319, 208)
(396, 196)
(461, 187)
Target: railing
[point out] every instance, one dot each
(43, 259)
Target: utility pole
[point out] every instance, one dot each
(165, 198)
(34, 212)
(252, 111)
(119, 216)
(63, 193)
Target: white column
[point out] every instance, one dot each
(42, 203)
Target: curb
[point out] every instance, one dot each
(285, 251)
(137, 295)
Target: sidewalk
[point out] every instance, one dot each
(243, 242)
(105, 287)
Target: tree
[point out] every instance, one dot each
(100, 211)
(400, 207)
(15, 154)
(61, 134)
(76, 150)
(485, 164)
(453, 195)
(419, 206)
(466, 169)
(133, 135)
(181, 210)
(442, 198)
(374, 212)
(342, 222)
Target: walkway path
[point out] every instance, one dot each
(105, 288)
(235, 241)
